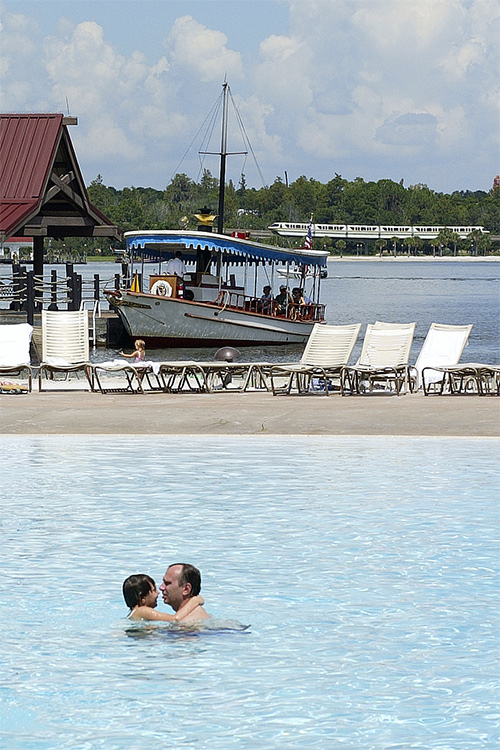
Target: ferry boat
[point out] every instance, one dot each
(209, 306)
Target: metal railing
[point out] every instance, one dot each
(240, 301)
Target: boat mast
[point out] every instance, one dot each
(223, 155)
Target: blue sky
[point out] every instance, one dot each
(399, 89)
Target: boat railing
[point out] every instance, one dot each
(248, 303)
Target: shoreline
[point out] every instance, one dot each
(412, 259)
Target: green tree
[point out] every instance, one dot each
(435, 243)
(130, 212)
(341, 246)
(391, 202)
(394, 241)
(408, 242)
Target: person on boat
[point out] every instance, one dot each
(307, 300)
(176, 266)
(139, 353)
(141, 596)
(283, 300)
(181, 583)
(297, 309)
(266, 300)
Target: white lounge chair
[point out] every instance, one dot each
(65, 344)
(443, 347)
(15, 341)
(383, 360)
(133, 376)
(464, 378)
(327, 351)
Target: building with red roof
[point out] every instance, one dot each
(42, 192)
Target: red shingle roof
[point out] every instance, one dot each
(36, 150)
(27, 147)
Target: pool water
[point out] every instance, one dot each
(366, 568)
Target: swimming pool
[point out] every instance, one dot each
(367, 569)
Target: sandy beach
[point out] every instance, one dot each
(259, 413)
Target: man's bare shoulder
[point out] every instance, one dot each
(197, 614)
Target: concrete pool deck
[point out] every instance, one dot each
(259, 413)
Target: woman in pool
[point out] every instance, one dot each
(141, 595)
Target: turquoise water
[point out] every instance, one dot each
(367, 569)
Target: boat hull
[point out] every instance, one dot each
(170, 322)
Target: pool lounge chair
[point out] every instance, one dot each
(15, 341)
(183, 376)
(383, 362)
(443, 347)
(214, 376)
(327, 351)
(464, 378)
(106, 377)
(65, 345)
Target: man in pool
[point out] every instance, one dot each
(180, 583)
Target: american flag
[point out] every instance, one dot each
(309, 239)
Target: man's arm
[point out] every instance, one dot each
(148, 613)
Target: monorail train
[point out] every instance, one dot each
(366, 231)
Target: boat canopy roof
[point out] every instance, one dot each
(162, 244)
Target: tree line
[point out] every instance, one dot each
(338, 201)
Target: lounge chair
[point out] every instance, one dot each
(383, 362)
(15, 341)
(443, 347)
(463, 378)
(132, 381)
(183, 376)
(65, 345)
(327, 351)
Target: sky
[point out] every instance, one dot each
(399, 89)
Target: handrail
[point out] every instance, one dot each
(96, 312)
(237, 300)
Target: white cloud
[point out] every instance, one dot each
(386, 80)
(370, 87)
(201, 51)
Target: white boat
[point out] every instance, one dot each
(209, 307)
(299, 274)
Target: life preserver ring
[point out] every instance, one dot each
(162, 289)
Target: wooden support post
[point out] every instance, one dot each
(70, 282)
(38, 256)
(53, 290)
(78, 290)
(16, 287)
(30, 297)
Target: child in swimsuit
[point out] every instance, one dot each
(141, 595)
(139, 355)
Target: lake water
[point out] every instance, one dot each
(367, 569)
(360, 291)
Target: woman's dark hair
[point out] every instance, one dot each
(136, 588)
